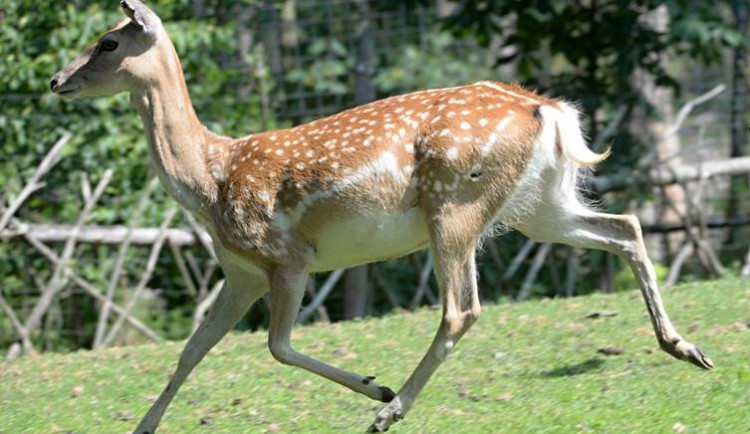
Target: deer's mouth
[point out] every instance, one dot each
(67, 93)
(63, 88)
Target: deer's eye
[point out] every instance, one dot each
(109, 45)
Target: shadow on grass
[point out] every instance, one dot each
(571, 370)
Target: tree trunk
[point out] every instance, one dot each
(364, 68)
(661, 99)
(356, 292)
(356, 285)
(739, 99)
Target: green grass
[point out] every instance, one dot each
(530, 367)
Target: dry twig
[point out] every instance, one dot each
(92, 290)
(27, 345)
(531, 275)
(120, 261)
(150, 265)
(58, 279)
(48, 162)
(204, 305)
(423, 288)
(320, 297)
(515, 264)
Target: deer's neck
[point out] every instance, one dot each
(177, 139)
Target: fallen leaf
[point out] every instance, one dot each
(344, 353)
(124, 415)
(644, 331)
(600, 314)
(349, 356)
(678, 427)
(610, 351)
(77, 391)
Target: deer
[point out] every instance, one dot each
(434, 169)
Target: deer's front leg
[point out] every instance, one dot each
(240, 290)
(287, 290)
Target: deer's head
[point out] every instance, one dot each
(126, 57)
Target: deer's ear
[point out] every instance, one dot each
(141, 16)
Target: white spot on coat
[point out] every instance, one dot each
(502, 125)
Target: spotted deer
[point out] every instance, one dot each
(437, 168)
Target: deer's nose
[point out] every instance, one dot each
(53, 83)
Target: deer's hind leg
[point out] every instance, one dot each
(454, 234)
(572, 223)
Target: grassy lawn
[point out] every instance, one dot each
(531, 367)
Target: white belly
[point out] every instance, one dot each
(364, 239)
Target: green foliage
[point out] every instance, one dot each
(596, 48)
(328, 71)
(38, 39)
(441, 60)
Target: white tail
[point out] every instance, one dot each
(432, 168)
(571, 141)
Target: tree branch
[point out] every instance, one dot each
(530, 278)
(58, 279)
(326, 289)
(101, 324)
(423, 288)
(54, 233)
(48, 162)
(150, 265)
(28, 346)
(92, 290)
(658, 177)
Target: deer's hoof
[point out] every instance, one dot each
(698, 357)
(387, 416)
(688, 352)
(374, 428)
